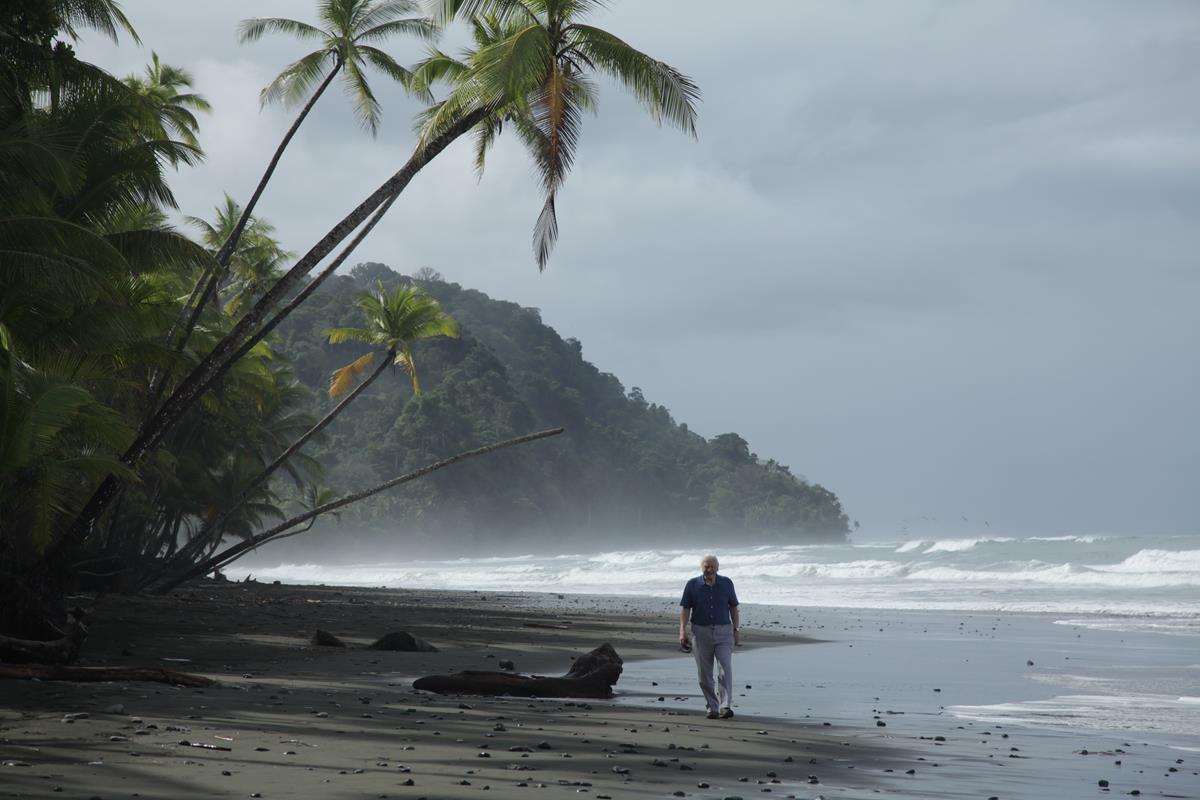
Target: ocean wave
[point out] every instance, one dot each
(962, 545)
(1059, 575)
(1159, 561)
(1148, 712)
(1134, 576)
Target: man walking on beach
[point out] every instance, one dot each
(712, 604)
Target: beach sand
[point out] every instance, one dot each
(300, 721)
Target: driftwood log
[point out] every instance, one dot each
(592, 675)
(56, 651)
(62, 672)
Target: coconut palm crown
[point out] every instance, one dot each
(348, 33)
(532, 66)
(173, 116)
(395, 320)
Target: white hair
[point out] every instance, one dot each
(710, 557)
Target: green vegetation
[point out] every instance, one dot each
(163, 401)
(145, 408)
(623, 470)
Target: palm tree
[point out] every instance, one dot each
(534, 75)
(256, 262)
(532, 67)
(171, 109)
(351, 28)
(395, 321)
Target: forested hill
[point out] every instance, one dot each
(624, 472)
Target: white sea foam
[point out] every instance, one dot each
(959, 545)
(1140, 712)
(1186, 562)
(1141, 583)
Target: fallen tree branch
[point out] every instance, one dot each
(61, 672)
(55, 651)
(236, 551)
(592, 675)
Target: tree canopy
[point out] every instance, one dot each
(625, 470)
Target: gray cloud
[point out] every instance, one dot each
(938, 256)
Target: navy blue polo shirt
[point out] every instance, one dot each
(709, 604)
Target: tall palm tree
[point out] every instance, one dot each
(521, 73)
(171, 109)
(349, 31)
(395, 321)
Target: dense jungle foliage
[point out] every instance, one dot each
(157, 422)
(624, 469)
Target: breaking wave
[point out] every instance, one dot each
(1141, 578)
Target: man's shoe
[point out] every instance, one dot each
(713, 715)
(726, 713)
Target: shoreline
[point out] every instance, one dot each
(306, 721)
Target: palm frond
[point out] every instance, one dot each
(445, 11)
(340, 335)
(251, 30)
(342, 380)
(366, 107)
(668, 94)
(420, 27)
(293, 84)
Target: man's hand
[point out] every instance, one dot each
(737, 636)
(683, 639)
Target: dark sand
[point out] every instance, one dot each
(301, 721)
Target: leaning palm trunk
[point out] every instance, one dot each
(249, 345)
(227, 249)
(234, 552)
(212, 530)
(223, 355)
(206, 287)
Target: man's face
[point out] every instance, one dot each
(709, 568)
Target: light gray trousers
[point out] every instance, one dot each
(714, 642)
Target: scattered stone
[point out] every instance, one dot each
(75, 715)
(326, 639)
(403, 642)
(506, 663)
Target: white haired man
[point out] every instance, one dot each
(712, 606)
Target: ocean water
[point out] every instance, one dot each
(1118, 583)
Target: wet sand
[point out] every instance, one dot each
(295, 720)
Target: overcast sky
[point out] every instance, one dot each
(940, 257)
